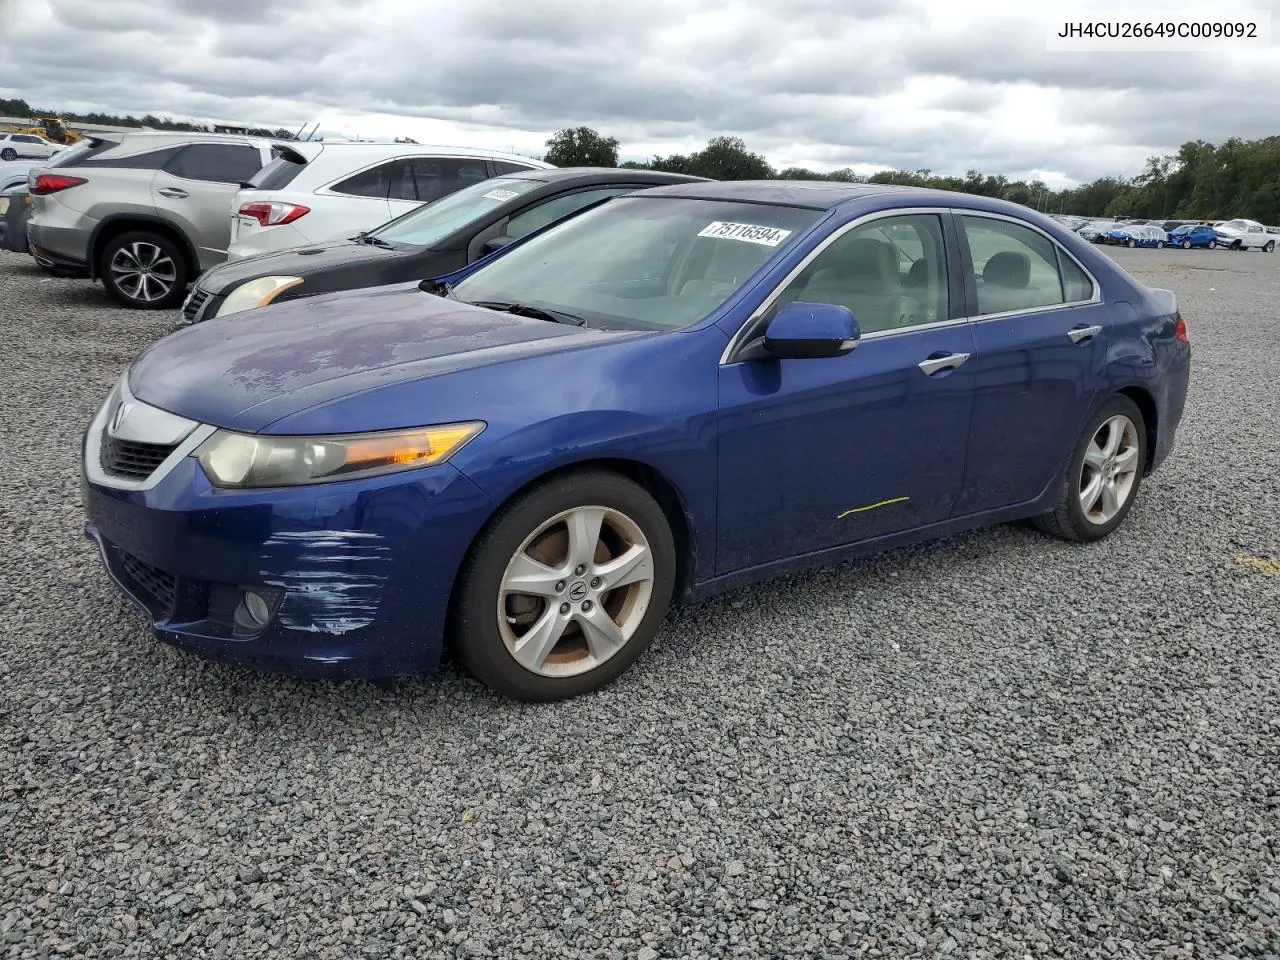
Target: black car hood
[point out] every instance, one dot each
(313, 261)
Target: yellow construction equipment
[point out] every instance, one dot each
(53, 129)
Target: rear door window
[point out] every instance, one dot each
(374, 182)
(424, 179)
(216, 162)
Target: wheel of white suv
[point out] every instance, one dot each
(143, 270)
(8, 153)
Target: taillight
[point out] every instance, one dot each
(274, 213)
(1180, 332)
(44, 184)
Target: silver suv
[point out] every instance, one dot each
(144, 212)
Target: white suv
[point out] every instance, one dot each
(15, 145)
(1244, 235)
(322, 191)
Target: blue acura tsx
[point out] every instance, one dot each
(675, 392)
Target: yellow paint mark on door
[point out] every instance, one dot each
(873, 506)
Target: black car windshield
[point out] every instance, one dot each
(430, 223)
(647, 263)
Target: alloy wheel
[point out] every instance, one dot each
(575, 592)
(143, 272)
(1186, 244)
(1109, 472)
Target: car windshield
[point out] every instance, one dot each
(432, 222)
(640, 263)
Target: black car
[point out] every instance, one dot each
(431, 240)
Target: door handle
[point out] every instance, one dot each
(1080, 334)
(173, 193)
(948, 362)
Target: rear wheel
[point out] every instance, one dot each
(1160, 244)
(8, 153)
(1133, 243)
(1103, 477)
(565, 588)
(1213, 244)
(143, 270)
(1271, 245)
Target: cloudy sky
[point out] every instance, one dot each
(941, 84)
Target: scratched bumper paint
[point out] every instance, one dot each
(365, 567)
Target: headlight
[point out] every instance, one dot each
(243, 460)
(256, 293)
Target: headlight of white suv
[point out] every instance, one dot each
(244, 460)
(256, 293)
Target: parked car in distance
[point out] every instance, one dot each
(316, 192)
(1138, 235)
(1241, 234)
(1097, 231)
(1193, 235)
(681, 390)
(143, 212)
(429, 240)
(14, 146)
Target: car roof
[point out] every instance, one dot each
(603, 175)
(827, 194)
(377, 149)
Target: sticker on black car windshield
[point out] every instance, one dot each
(747, 232)
(500, 194)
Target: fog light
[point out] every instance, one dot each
(257, 608)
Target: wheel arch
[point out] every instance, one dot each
(1146, 405)
(648, 477)
(113, 226)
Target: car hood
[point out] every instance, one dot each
(295, 355)
(302, 262)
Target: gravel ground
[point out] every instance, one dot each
(994, 746)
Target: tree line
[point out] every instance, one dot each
(1239, 178)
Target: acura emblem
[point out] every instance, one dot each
(118, 418)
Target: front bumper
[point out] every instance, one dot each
(357, 574)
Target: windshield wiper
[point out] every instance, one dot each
(529, 310)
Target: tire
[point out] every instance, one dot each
(1186, 244)
(1132, 243)
(8, 153)
(489, 624)
(154, 258)
(1213, 244)
(1271, 245)
(1159, 244)
(1070, 519)
(1235, 245)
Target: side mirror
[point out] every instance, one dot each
(496, 243)
(810, 331)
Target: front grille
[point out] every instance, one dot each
(191, 309)
(156, 586)
(130, 459)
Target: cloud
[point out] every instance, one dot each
(822, 83)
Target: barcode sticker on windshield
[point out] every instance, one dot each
(500, 194)
(747, 232)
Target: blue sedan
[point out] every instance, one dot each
(671, 394)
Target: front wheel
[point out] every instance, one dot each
(1104, 475)
(565, 588)
(144, 270)
(1186, 244)
(1133, 243)
(1160, 244)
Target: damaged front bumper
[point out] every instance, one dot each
(348, 579)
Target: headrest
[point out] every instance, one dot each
(1008, 269)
